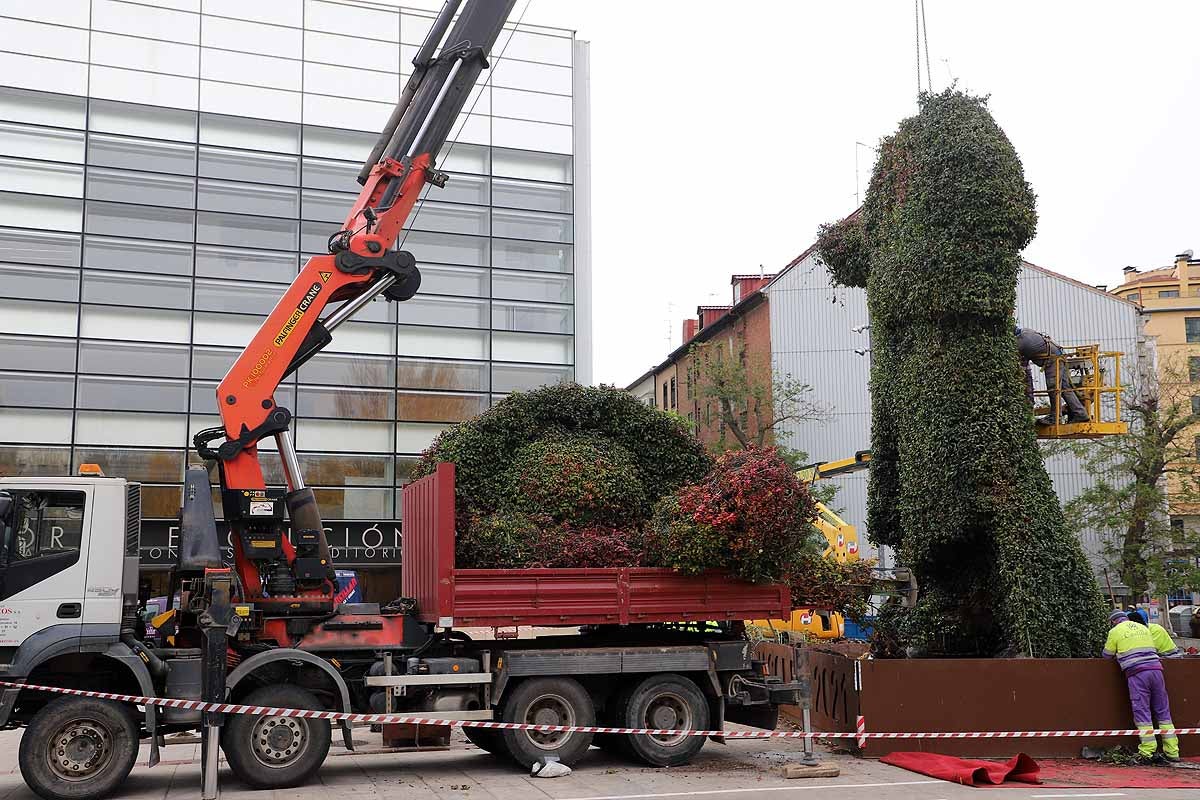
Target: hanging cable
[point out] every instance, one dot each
(917, 38)
(925, 36)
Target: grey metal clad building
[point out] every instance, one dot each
(813, 338)
(166, 167)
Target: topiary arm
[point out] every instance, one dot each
(842, 247)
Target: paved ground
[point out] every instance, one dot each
(742, 770)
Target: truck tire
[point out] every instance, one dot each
(78, 748)
(669, 702)
(276, 752)
(548, 701)
(487, 740)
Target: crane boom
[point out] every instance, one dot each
(360, 266)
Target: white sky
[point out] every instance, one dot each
(723, 133)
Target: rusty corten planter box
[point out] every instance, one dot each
(989, 695)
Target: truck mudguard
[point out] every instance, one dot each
(259, 660)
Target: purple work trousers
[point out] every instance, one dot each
(1148, 696)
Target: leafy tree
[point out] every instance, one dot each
(1140, 477)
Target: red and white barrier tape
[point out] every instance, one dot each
(860, 735)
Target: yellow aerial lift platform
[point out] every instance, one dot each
(1096, 378)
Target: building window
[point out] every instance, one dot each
(1135, 297)
(1167, 294)
(665, 406)
(673, 395)
(1177, 530)
(1194, 368)
(1196, 441)
(1196, 405)
(1191, 326)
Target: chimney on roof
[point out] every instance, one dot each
(1128, 270)
(1181, 272)
(1102, 287)
(690, 326)
(1186, 254)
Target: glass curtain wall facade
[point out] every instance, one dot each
(164, 171)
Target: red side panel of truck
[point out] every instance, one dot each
(555, 597)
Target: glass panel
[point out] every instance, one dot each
(150, 55)
(18, 175)
(346, 470)
(531, 255)
(533, 286)
(330, 207)
(446, 248)
(246, 298)
(250, 134)
(509, 316)
(44, 143)
(246, 166)
(161, 23)
(38, 319)
(131, 394)
(433, 310)
(536, 166)
(251, 68)
(133, 358)
(232, 34)
(198, 422)
(232, 330)
(532, 225)
(519, 377)
(53, 355)
(438, 407)
(375, 504)
(378, 23)
(113, 151)
(338, 176)
(203, 398)
(147, 291)
(212, 362)
(29, 462)
(533, 47)
(148, 222)
(537, 106)
(423, 374)
(162, 466)
(332, 48)
(454, 280)
(134, 324)
(147, 88)
(365, 337)
(535, 77)
(141, 187)
(117, 428)
(346, 403)
(39, 108)
(381, 87)
(537, 196)
(36, 426)
(349, 370)
(431, 216)
(337, 435)
(35, 390)
(414, 437)
(344, 145)
(462, 188)
(39, 247)
(132, 254)
(442, 342)
(259, 265)
(39, 283)
(314, 236)
(539, 348)
(161, 502)
(248, 198)
(463, 157)
(239, 231)
(36, 211)
(154, 122)
(47, 74)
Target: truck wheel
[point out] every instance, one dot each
(548, 701)
(667, 702)
(487, 740)
(276, 752)
(78, 747)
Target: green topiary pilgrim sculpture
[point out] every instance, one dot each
(958, 485)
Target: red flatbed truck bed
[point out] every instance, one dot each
(451, 597)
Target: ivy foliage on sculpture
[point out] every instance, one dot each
(958, 485)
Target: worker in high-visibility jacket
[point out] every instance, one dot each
(1163, 642)
(1130, 643)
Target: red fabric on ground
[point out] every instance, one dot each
(1072, 773)
(967, 771)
